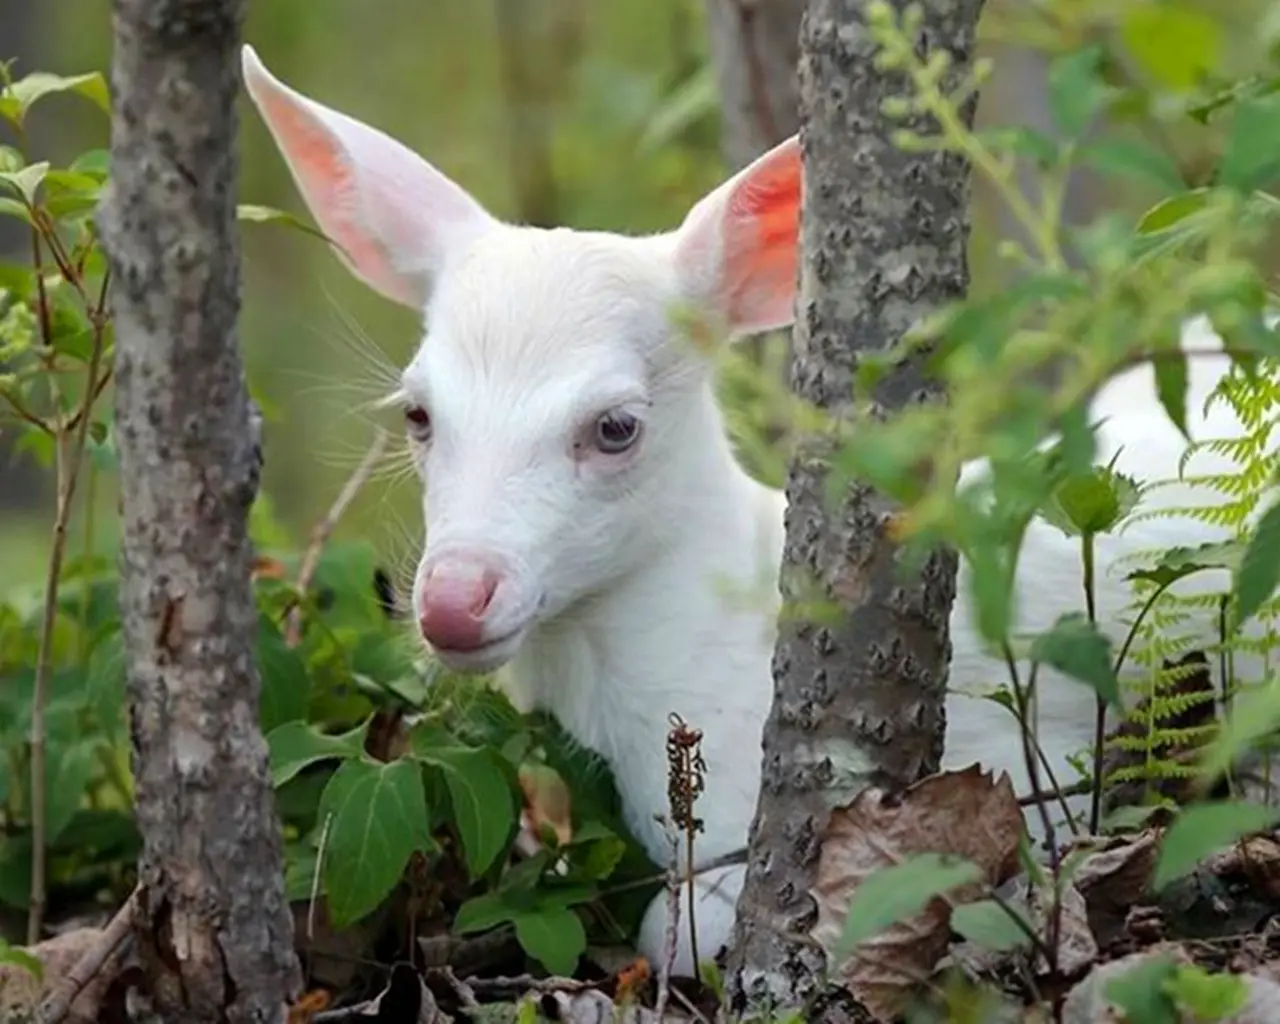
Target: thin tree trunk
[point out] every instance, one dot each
(755, 45)
(884, 237)
(214, 934)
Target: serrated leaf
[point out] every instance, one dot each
(1260, 566)
(484, 806)
(1171, 387)
(1252, 158)
(1090, 503)
(1077, 648)
(893, 894)
(554, 937)
(1204, 829)
(1133, 158)
(292, 746)
(377, 818)
(286, 686)
(989, 925)
(1076, 90)
(1207, 996)
(1175, 44)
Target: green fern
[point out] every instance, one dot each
(1146, 745)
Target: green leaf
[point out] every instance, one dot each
(987, 924)
(26, 181)
(13, 208)
(555, 937)
(1260, 567)
(484, 807)
(691, 101)
(377, 818)
(1255, 712)
(23, 94)
(1076, 90)
(897, 892)
(23, 959)
(105, 678)
(480, 913)
(1139, 992)
(1207, 996)
(1132, 158)
(1169, 212)
(1204, 829)
(286, 686)
(1077, 648)
(1171, 386)
(68, 772)
(1090, 503)
(270, 215)
(1252, 157)
(1175, 44)
(295, 745)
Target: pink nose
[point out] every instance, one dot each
(455, 597)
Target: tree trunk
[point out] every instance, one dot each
(215, 935)
(755, 45)
(858, 702)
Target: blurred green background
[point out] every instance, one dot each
(589, 114)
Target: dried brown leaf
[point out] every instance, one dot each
(20, 993)
(1077, 947)
(547, 801)
(965, 813)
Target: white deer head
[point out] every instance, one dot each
(563, 424)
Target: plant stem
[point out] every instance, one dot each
(1033, 775)
(68, 464)
(1100, 720)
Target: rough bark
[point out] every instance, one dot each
(215, 935)
(754, 46)
(884, 236)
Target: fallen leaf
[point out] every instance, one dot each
(1114, 878)
(1077, 948)
(547, 801)
(21, 992)
(966, 814)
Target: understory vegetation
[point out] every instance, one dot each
(401, 787)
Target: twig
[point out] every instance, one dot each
(672, 934)
(58, 1003)
(324, 529)
(68, 477)
(465, 993)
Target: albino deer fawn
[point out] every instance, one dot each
(586, 510)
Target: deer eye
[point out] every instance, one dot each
(418, 421)
(616, 431)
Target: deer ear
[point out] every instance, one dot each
(738, 249)
(394, 218)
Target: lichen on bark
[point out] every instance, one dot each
(859, 700)
(215, 935)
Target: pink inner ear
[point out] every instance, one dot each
(762, 241)
(324, 175)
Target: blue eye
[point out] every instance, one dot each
(616, 432)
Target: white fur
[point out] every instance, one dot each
(633, 585)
